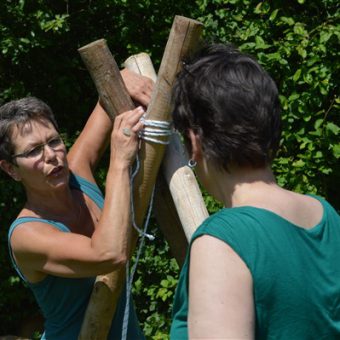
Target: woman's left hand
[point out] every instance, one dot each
(139, 87)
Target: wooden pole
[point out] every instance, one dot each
(115, 99)
(184, 193)
(183, 38)
(106, 76)
(167, 218)
(164, 208)
(183, 186)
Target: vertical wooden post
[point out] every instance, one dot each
(184, 190)
(183, 38)
(164, 208)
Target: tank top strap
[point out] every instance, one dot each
(88, 188)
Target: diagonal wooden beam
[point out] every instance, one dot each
(183, 38)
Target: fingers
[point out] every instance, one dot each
(139, 126)
(143, 99)
(130, 118)
(124, 137)
(139, 87)
(129, 123)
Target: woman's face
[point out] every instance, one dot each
(39, 156)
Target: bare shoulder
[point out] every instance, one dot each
(220, 292)
(211, 249)
(28, 235)
(30, 242)
(302, 210)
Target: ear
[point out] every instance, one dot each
(10, 169)
(196, 146)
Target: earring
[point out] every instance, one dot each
(192, 163)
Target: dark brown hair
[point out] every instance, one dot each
(226, 98)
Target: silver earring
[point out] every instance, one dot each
(192, 163)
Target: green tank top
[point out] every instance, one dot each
(63, 301)
(295, 271)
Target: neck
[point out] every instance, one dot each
(52, 204)
(243, 186)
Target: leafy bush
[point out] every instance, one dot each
(297, 43)
(295, 40)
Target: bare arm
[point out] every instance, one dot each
(89, 147)
(221, 293)
(40, 248)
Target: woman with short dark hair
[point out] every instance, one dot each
(265, 266)
(66, 234)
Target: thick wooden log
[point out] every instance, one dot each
(184, 191)
(141, 63)
(163, 206)
(106, 76)
(183, 38)
(115, 99)
(183, 186)
(167, 218)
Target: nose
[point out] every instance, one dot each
(49, 153)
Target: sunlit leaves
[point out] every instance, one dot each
(298, 44)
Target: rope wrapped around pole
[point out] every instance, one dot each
(183, 38)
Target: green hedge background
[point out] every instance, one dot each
(297, 41)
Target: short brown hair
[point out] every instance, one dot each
(18, 113)
(232, 103)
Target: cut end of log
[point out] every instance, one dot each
(99, 42)
(182, 18)
(141, 55)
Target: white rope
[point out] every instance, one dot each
(155, 128)
(132, 206)
(129, 277)
(152, 128)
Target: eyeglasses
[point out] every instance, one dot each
(38, 150)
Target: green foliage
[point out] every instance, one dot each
(295, 40)
(154, 285)
(297, 43)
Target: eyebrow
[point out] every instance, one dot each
(32, 145)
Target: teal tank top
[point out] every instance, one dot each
(295, 271)
(63, 301)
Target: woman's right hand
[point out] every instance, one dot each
(139, 87)
(124, 137)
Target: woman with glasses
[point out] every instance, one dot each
(66, 234)
(267, 265)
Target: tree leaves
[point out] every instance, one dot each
(296, 41)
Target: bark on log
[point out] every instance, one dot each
(183, 38)
(106, 76)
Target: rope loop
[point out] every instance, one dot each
(155, 128)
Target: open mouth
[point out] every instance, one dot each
(56, 171)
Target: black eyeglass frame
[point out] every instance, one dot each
(40, 147)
